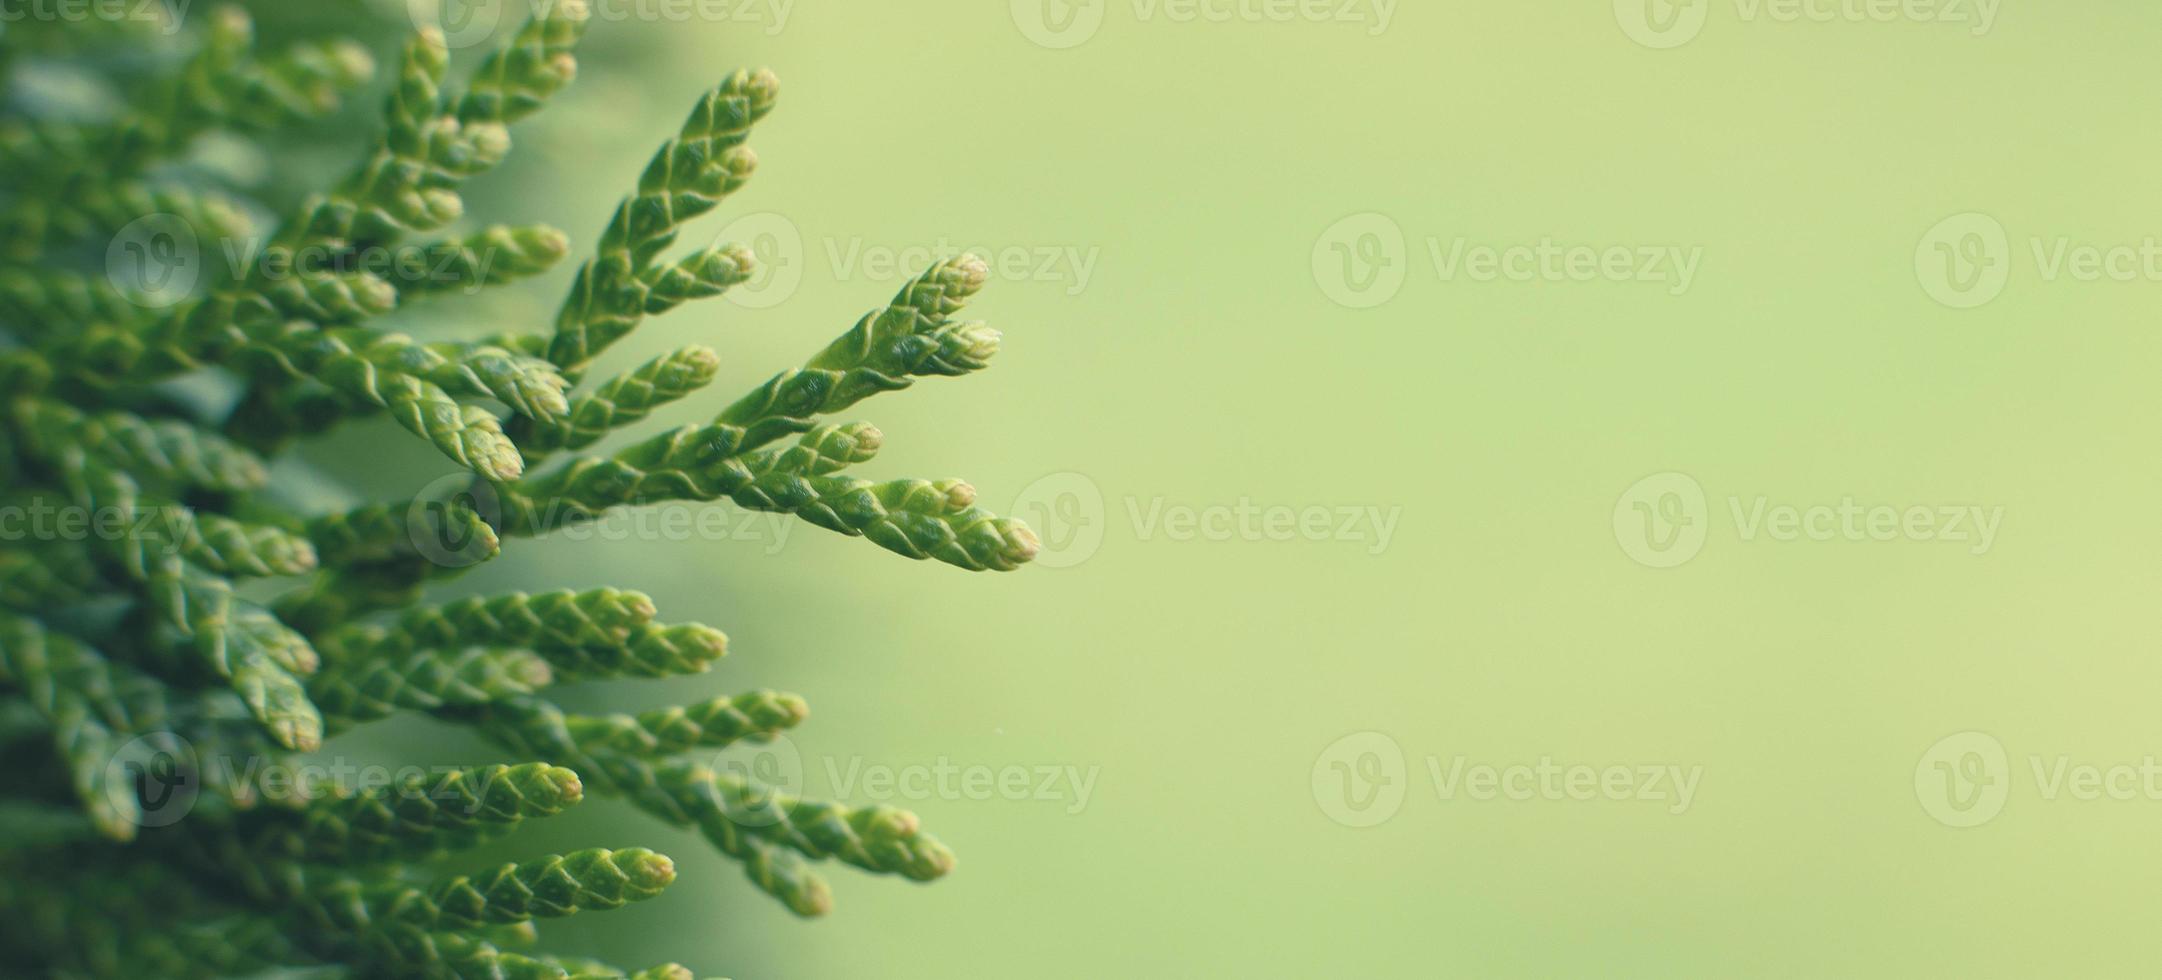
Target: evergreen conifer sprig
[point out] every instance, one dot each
(175, 628)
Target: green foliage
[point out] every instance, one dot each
(197, 630)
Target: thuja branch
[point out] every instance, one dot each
(209, 630)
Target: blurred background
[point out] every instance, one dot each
(1621, 489)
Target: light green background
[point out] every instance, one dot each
(1203, 365)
